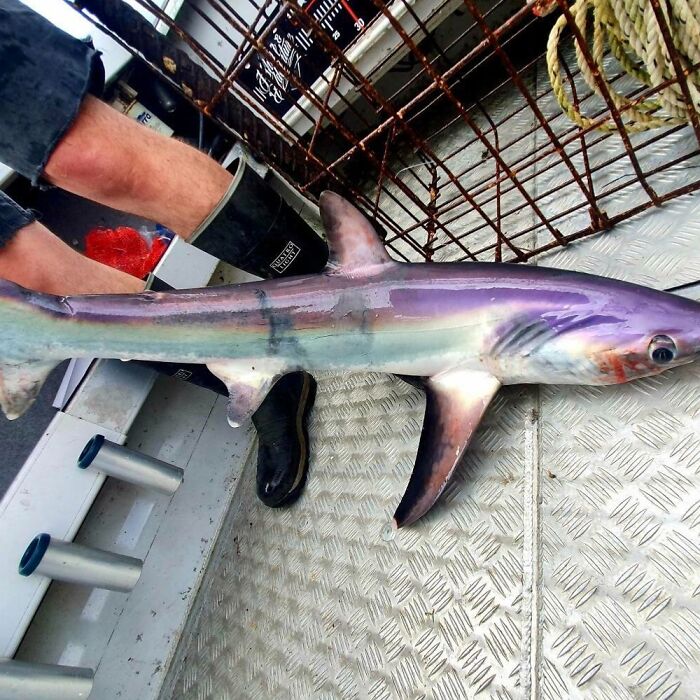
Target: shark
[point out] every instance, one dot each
(466, 329)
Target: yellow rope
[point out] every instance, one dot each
(628, 29)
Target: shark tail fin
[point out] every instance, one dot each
(20, 383)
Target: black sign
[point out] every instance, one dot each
(297, 49)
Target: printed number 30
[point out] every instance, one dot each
(360, 24)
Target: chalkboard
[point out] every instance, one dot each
(295, 47)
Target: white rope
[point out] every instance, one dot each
(629, 30)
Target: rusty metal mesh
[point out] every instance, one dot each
(437, 118)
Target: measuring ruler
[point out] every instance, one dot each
(296, 48)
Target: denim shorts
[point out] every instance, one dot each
(44, 76)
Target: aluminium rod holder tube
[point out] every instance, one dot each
(20, 680)
(75, 563)
(125, 464)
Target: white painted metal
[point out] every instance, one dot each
(49, 494)
(6, 175)
(184, 266)
(111, 395)
(76, 370)
(140, 650)
(74, 625)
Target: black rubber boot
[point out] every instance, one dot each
(416, 382)
(254, 229)
(283, 450)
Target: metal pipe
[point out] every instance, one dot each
(75, 563)
(128, 465)
(20, 680)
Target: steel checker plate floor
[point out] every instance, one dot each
(327, 600)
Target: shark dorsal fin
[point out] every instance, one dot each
(355, 247)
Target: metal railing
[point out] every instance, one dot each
(376, 121)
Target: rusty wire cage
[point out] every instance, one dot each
(438, 119)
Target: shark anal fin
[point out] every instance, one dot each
(248, 383)
(20, 384)
(455, 404)
(355, 247)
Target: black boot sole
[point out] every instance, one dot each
(306, 403)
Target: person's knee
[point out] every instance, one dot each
(111, 159)
(94, 157)
(86, 166)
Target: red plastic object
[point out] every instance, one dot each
(125, 249)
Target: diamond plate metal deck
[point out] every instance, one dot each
(327, 600)
(620, 548)
(562, 562)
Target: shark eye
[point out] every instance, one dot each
(662, 349)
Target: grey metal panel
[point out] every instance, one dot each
(620, 546)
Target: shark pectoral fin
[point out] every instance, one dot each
(354, 246)
(455, 404)
(248, 382)
(20, 384)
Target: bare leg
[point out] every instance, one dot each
(38, 260)
(109, 158)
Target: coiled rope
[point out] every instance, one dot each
(629, 30)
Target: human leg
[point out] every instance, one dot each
(109, 158)
(40, 94)
(55, 131)
(34, 257)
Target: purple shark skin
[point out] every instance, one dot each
(466, 328)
